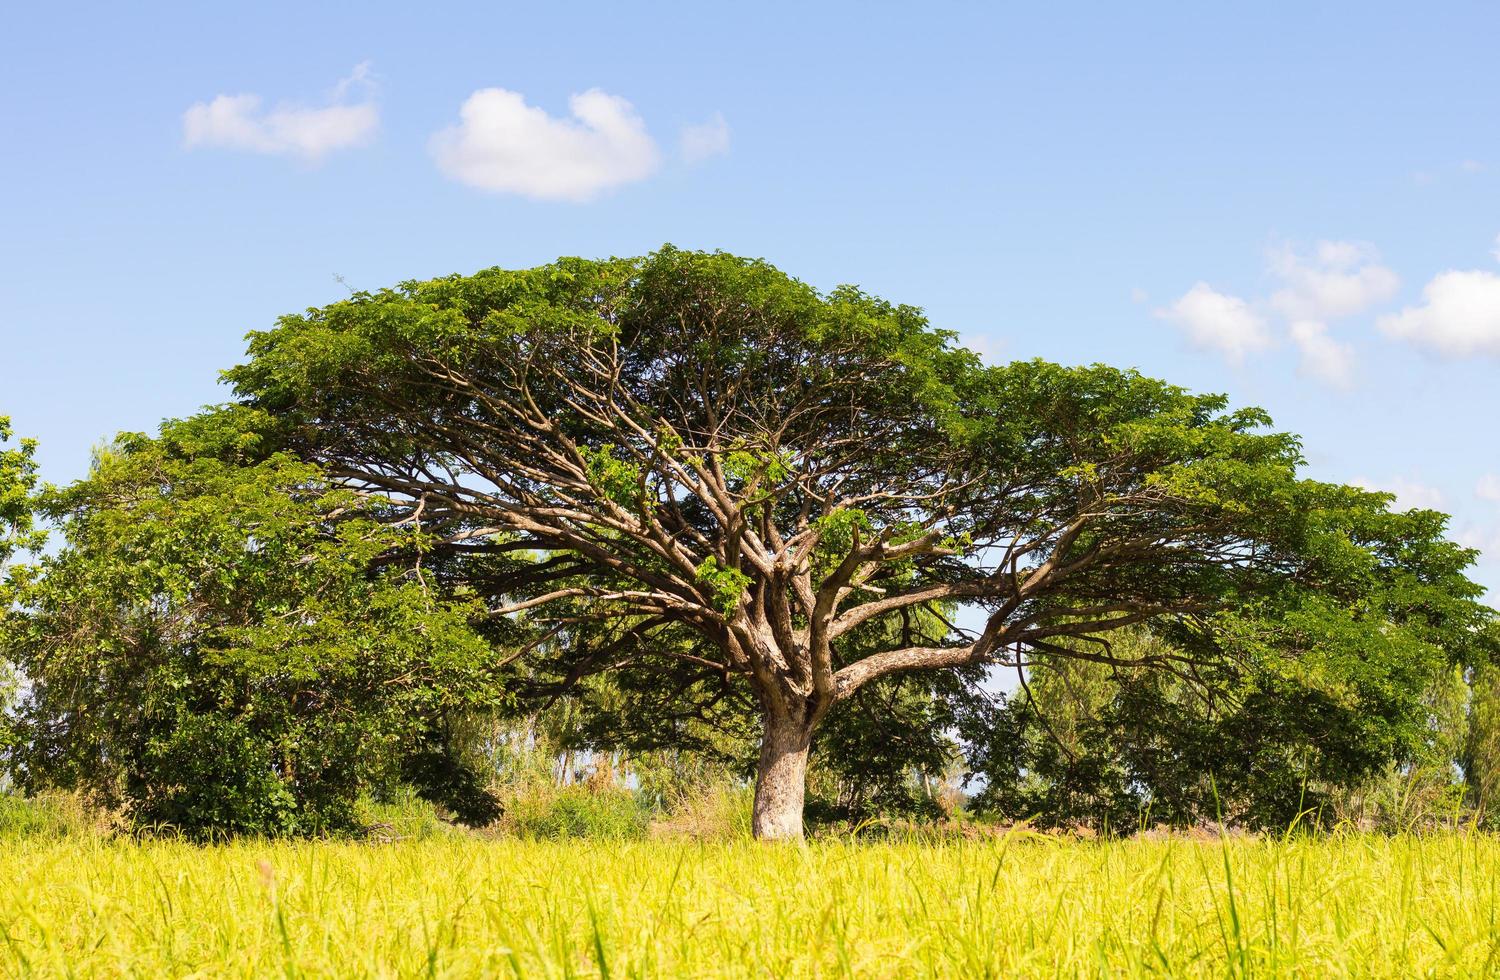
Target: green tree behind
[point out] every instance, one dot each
(226, 642)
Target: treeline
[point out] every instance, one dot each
(690, 520)
(226, 642)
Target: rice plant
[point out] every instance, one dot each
(1018, 905)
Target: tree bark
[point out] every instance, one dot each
(781, 777)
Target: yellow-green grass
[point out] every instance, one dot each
(458, 907)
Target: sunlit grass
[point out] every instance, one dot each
(457, 907)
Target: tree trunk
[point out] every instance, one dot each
(781, 777)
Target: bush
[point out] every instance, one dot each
(222, 782)
(400, 815)
(576, 811)
(715, 812)
(48, 815)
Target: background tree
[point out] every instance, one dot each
(1481, 759)
(1263, 746)
(18, 532)
(703, 460)
(218, 646)
(891, 750)
(17, 486)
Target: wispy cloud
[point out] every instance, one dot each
(704, 140)
(1324, 358)
(238, 122)
(1409, 493)
(1463, 168)
(1335, 279)
(1331, 281)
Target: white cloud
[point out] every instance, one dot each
(991, 350)
(1460, 315)
(705, 140)
(361, 77)
(1338, 279)
(1324, 358)
(1138, 295)
(1496, 250)
(1409, 493)
(502, 144)
(237, 122)
(1485, 538)
(1335, 279)
(1467, 167)
(1218, 321)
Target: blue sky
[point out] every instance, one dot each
(1294, 204)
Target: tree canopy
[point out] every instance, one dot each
(695, 468)
(226, 643)
(1267, 747)
(17, 484)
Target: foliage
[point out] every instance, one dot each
(694, 462)
(18, 532)
(695, 497)
(1267, 746)
(577, 811)
(227, 642)
(399, 813)
(1481, 750)
(715, 811)
(891, 751)
(50, 815)
(18, 529)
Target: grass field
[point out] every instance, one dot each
(459, 907)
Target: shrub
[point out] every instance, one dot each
(576, 812)
(720, 811)
(401, 814)
(49, 815)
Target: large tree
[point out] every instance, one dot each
(18, 532)
(17, 488)
(695, 459)
(225, 642)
